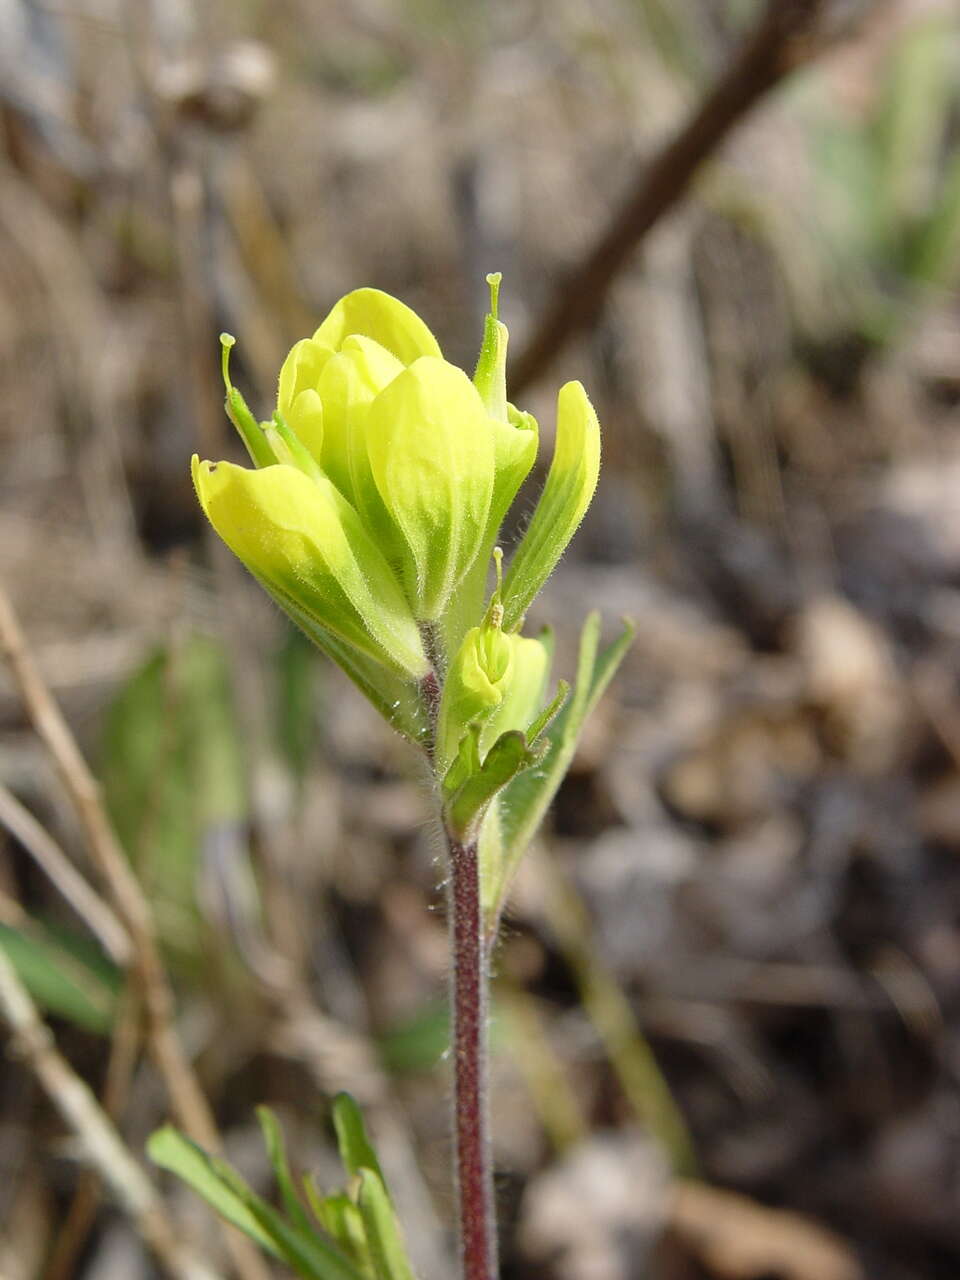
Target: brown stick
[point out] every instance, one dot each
(782, 40)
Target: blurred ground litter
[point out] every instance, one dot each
(728, 996)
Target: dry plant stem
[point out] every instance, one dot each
(783, 38)
(101, 1142)
(81, 1215)
(613, 1018)
(51, 859)
(478, 1250)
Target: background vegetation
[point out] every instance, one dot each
(728, 1002)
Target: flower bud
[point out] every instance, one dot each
(431, 455)
(496, 681)
(570, 485)
(523, 693)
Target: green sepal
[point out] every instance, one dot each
(570, 485)
(387, 1250)
(277, 1153)
(465, 809)
(288, 447)
(477, 680)
(523, 691)
(466, 762)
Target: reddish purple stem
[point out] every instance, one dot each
(478, 1253)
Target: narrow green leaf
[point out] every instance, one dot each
(356, 1151)
(172, 1151)
(64, 975)
(570, 485)
(308, 1254)
(383, 1234)
(224, 1190)
(173, 779)
(911, 121)
(935, 251)
(418, 1042)
(527, 798)
(276, 1150)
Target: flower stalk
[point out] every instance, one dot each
(478, 1250)
(371, 515)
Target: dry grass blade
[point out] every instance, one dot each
(48, 855)
(102, 1144)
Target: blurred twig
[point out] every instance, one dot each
(628, 1052)
(51, 859)
(553, 1096)
(786, 36)
(101, 1142)
(81, 1214)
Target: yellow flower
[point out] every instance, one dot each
(307, 546)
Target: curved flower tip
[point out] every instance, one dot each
(307, 546)
(570, 486)
(371, 313)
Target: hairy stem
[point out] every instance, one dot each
(469, 999)
(478, 1253)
